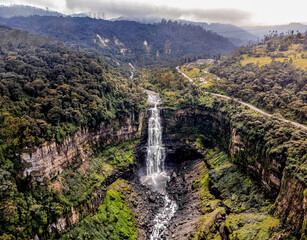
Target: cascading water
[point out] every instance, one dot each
(156, 177)
(155, 150)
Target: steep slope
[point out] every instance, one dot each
(271, 76)
(128, 41)
(63, 117)
(272, 153)
(238, 36)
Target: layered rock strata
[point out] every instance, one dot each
(52, 158)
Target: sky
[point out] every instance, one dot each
(238, 12)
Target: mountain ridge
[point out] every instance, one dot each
(127, 41)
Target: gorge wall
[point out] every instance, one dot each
(249, 150)
(52, 158)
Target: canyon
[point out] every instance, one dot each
(184, 161)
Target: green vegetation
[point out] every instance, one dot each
(78, 186)
(265, 138)
(251, 226)
(171, 86)
(191, 113)
(200, 74)
(114, 219)
(237, 191)
(249, 218)
(121, 155)
(283, 49)
(128, 41)
(31, 211)
(272, 80)
(48, 91)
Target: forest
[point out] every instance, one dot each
(127, 41)
(48, 92)
(272, 76)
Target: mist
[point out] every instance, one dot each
(112, 9)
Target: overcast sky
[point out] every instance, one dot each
(239, 12)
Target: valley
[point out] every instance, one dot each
(124, 130)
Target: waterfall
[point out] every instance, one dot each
(156, 177)
(155, 149)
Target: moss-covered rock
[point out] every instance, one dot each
(251, 226)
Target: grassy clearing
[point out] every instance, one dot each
(261, 61)
(200, 74)
(261, 57)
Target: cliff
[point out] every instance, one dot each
(52, 158)
(251, 148)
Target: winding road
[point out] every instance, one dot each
(246, 104)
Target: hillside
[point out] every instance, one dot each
(128, 41)
(271, 76)
(238, 36)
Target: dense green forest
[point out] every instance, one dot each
(48, 91)
(127, 41)
(272, 76)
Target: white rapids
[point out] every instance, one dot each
(156, 177)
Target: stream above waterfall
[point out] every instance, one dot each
(156, 177)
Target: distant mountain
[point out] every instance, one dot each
(238, 36)
(260, 31)
(25, 11)
(128, 41)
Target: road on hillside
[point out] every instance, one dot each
(246, 104)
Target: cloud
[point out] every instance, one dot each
(55, 4)
(116, 8)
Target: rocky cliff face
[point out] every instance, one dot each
(291, 204)
(268, 170)
(216, 129)
(51, 158)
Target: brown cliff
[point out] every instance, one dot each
(217, 128)
(52, 158)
